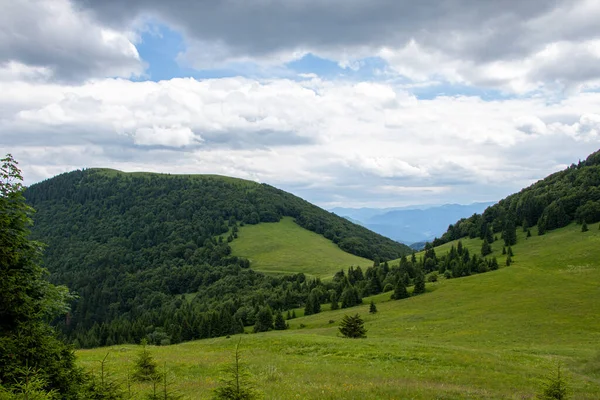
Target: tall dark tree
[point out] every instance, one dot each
(264, 320)
(419, 283)
(279, 324)
(400, 291)
(584, 227)
(510, 233)
(485, 248)
(27, 300)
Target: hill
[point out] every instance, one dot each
(551, 203)
(495, 335)
(273, 249)
(411, 224)
(149, 254)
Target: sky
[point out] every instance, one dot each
(352, 103)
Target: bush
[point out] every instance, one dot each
(353, 327)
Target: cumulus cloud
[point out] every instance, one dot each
(329, 141)
(54, 39)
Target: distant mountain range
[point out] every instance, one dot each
(410, 224)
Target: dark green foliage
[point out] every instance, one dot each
(555, 388)
(132, 244)
(145, 368)
(28, 301)
(101, 386)
(400, 291)
(584, 227)
(528, 233)
(509, 234)
(350, 297)
(510, 251)
(264, 320)
(334, 301)
(503, 250)
(419, 283)
(372, 307)
(508, 260)
(279, 324)
(353, 327)
(235, 384)
(486, 248)
(554, 202)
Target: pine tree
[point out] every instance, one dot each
(485, 248)
(508, 260)
(584, 227)
(372, 308)
(334, 301)
(264, 320)
(353, 327)
(400, 291)
(510, 233)
(235, 384)
(555, 388)
(145, 368)
(419, 283)
(528, 233)
(280, 324)
(28, 301)
(503, 250)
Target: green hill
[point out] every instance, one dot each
(495, 335)
(149, 255)
(286, 248)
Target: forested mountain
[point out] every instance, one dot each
(551, 203)
(132, 245)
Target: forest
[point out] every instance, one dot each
(563, 197)
(148, 255)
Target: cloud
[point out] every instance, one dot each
(43, 39)
(515, 46)
(329, 141)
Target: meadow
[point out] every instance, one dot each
(496, 335)
(285, 248)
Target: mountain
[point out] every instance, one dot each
(134, 246)
(569, 195)
(412, 223)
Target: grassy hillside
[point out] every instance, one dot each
(286, 248)
(494, 335)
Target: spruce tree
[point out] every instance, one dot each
(280, 324)
(372, 308)
(145, 368)
(419, 283)
(485, 248)
(334, 301)
(510, 251)
(400, 291)
(584, 227)
(508, 260)
(353, 327)
(28, 301)
(264, 320)
(555, 388)
(235, 383)
(528, 233)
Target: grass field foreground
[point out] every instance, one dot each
(495, 335)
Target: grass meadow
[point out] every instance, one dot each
(491, 336)
(285, 247)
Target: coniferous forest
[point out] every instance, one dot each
(565, 196)
(147, 255)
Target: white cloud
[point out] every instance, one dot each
(323, 139)
(54, 39)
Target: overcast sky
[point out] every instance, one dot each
(343, 102)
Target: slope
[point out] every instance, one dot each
(489, 336)
(286, 248)
(132, 244)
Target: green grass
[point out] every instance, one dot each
(286, 248)
(489, 336)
